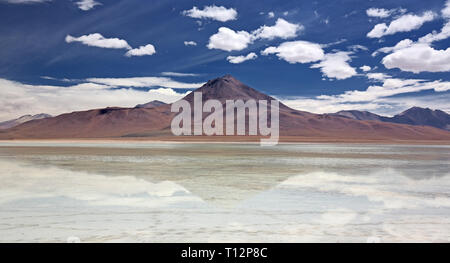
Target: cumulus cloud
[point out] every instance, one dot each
(296, 51)
(437, 36)
(271, 14)
(144, 82)
(404, 23)
(446, 11)
(87, 5)
(384, 13)
(166, 95)
(147, 50)
(400, 45)
(418, 58)
(332, 65)
(218, 13)
(379, 12)
(365, 68)
(230, 40)
(282, 29)
(190, 43)
(97, 40)
(19, 99)
(378, 31)
(335, 65)
(240, 59)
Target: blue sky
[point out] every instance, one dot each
(320, 56)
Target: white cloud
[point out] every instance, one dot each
(282, 29)
(218, 13)
(446, 10)
(365, 68)
(19, 99)
(332, 65)
(190, 43)
(418, 58)
(177, 74)
(390, 87)
(319, 106)
(335, 65)
(142, 82)
(377, 31)
(97, 40)
(146, 50)
(86, 5)
(379, 12)
(433, 101)
(340, 41)
(436, 36)
(229, 40)
(376, 98)
(240, 59)
(296, 51)
(404, 23)
(400, 45)
(270, 14)
(356, 48)
(377, 76)
(166, 95)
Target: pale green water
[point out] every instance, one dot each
(224, 192)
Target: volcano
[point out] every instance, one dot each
(153, 122)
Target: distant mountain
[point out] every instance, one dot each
(151, 104)
(227, 88)
(23, 119)
(359, 115)
(154, 122)
(413, 116)
(421, 116)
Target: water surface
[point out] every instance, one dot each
(174, 192)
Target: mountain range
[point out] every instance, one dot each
(152, 121)
(22, 119)
(413, 116)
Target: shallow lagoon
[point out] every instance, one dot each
(183, 192)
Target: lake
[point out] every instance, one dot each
(212, 192)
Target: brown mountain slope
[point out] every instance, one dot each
(13, 123)
(155, 122)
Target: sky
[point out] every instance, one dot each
(59, 56)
